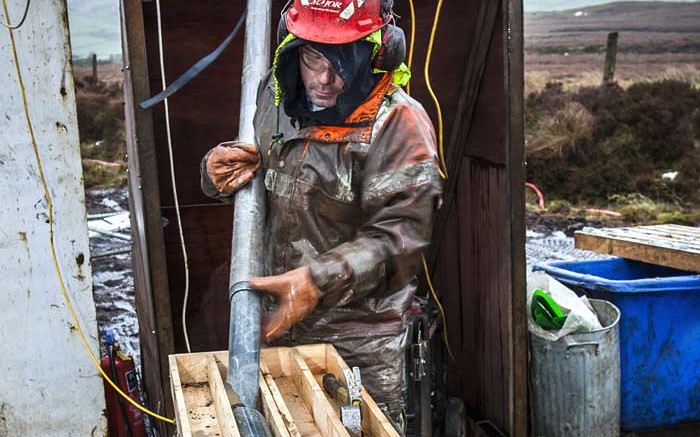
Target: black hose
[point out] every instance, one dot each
(21, 21)
(197, 68)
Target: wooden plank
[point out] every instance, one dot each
(192, 367)
(374, 423)
(470, 91)
(654, 237)
(695, 231)
(481, 263)
(610, 57)
(275, 410)
(680, 230)
(325, 418)
(650, 235)
(195, 411)
(276, 360)
(315, 356)
(298, 409)
(633, 250)
(673, 232)
(222, 404)
(282, 409)
(181, 417)
(515, 173)
(150, 273)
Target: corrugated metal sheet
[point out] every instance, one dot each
(48, 386)
(576, 380)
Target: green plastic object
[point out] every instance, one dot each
(546, 312)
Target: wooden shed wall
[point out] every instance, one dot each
(481, 272)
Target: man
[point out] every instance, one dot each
(352, 183)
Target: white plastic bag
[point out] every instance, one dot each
(580, 314)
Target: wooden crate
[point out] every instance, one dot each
(293, 400)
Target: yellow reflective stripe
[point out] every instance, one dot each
(400, 76)
(376, 39)
(278, 91)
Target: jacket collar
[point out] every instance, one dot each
(361, 120)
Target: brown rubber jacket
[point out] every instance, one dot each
(355, 204)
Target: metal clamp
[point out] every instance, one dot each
(350, 414)
(353, 380)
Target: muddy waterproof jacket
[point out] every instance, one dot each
(355, 204)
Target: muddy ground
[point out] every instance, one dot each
(112, 275)
(551, 238)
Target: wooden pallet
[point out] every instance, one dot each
(293, 400)
(667, 245)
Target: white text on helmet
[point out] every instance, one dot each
(326, 4)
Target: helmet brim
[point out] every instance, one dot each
(328, 32)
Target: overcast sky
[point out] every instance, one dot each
(555, 5)
(94, 24)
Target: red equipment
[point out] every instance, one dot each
(337, 21)
(123, 418)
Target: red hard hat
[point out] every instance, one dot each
(337, 21)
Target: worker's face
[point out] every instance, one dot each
(321, 81)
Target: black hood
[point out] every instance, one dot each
(352, 62)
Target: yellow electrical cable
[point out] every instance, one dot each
(411, 44)
(442, 310)
(49, 202)
(442, 156)
(426, 72)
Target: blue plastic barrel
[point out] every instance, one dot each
(659, 335)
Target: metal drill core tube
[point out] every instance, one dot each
(247, 257)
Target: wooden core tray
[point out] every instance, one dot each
(292, 397)
(673, 246)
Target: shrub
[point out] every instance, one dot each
(99, 175)
(660, 114)
(570, 127)
(595, 142)
(100, 111)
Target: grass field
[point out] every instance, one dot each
(657, 41)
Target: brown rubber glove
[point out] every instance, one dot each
(296, 296)
(231, 165)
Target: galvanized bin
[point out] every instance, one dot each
(575, 381)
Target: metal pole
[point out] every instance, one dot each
(248, 221)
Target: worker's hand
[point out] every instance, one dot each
(296, 296)
(231, 165)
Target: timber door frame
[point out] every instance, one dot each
(150, 270)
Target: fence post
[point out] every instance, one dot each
(610, 57)
(94, 68)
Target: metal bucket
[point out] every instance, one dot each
(575, 381)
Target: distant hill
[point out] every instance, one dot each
(94, 24)
(637, 7)
(645, 27)
(670, 16)
(558, 5)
